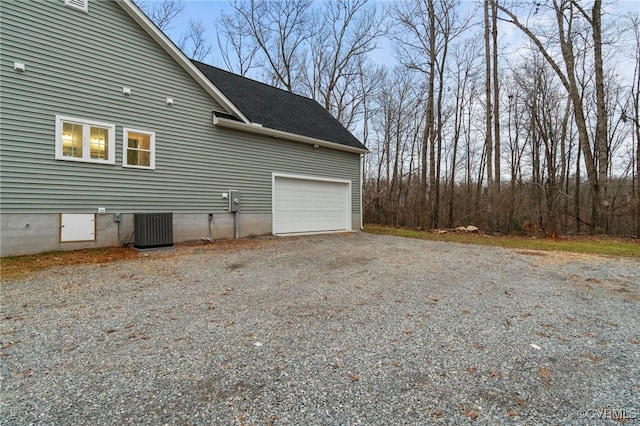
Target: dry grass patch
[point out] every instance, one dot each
(22, 266)
(584, 244)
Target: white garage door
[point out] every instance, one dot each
(304, 204)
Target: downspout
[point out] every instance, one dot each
(236, 225)
(361, 186)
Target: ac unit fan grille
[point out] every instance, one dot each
(153, 230)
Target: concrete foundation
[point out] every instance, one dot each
(22, 234)
(355, 222)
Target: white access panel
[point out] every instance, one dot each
(307, 204)
(77, 227)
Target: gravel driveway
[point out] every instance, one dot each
(334, 329)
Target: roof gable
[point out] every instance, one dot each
(143, 20)
(287, 114)
(278, 109)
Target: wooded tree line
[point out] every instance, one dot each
(512, 115)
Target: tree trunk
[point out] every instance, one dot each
(496, 105)
(433, 216)
(513, 144)
(488, 136)
(601, 121)
(637, 175)
(424, 207)
(468, 177)
(637, 128)
(577, 194)
(563, 160)
(460, 89)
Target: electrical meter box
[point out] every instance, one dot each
(234, 201)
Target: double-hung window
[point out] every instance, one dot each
(85, 140)
(139, 149)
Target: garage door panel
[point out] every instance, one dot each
(307, 205)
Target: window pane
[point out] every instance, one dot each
(139, 140)
(145, 142)
(132, 157)
(99, 143)
(143, 158)
(72, 140)
(138, 149)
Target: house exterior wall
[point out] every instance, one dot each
(76, 65)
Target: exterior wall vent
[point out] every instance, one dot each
(82, 5)
(153, 230)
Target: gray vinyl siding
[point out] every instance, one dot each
(76, 65)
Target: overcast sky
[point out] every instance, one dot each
(208, 11)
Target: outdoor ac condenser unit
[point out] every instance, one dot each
(153, 230)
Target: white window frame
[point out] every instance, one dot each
(152, 148)
(86, 143)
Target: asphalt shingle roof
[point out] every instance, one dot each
(278, 109)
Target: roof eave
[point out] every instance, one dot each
(253, 128)
(178, 56)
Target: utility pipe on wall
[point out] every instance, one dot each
(236, 231)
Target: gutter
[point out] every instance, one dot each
(258, 129)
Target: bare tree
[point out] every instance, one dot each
(466, 56)
(566, 12)
(488, 115)
(423, 32)
(194, 41)
(516, 148)
(237, 47)
(496, 96)
(430, 132)
(633, 116)
(347, 32)
(162, 13)
(280, 30)
(416, 50)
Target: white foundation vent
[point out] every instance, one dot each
(82, 5)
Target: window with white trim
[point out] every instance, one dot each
(90, 141)
(138, 149)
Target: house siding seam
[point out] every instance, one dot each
(195, 161)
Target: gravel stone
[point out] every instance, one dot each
(342, 329)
